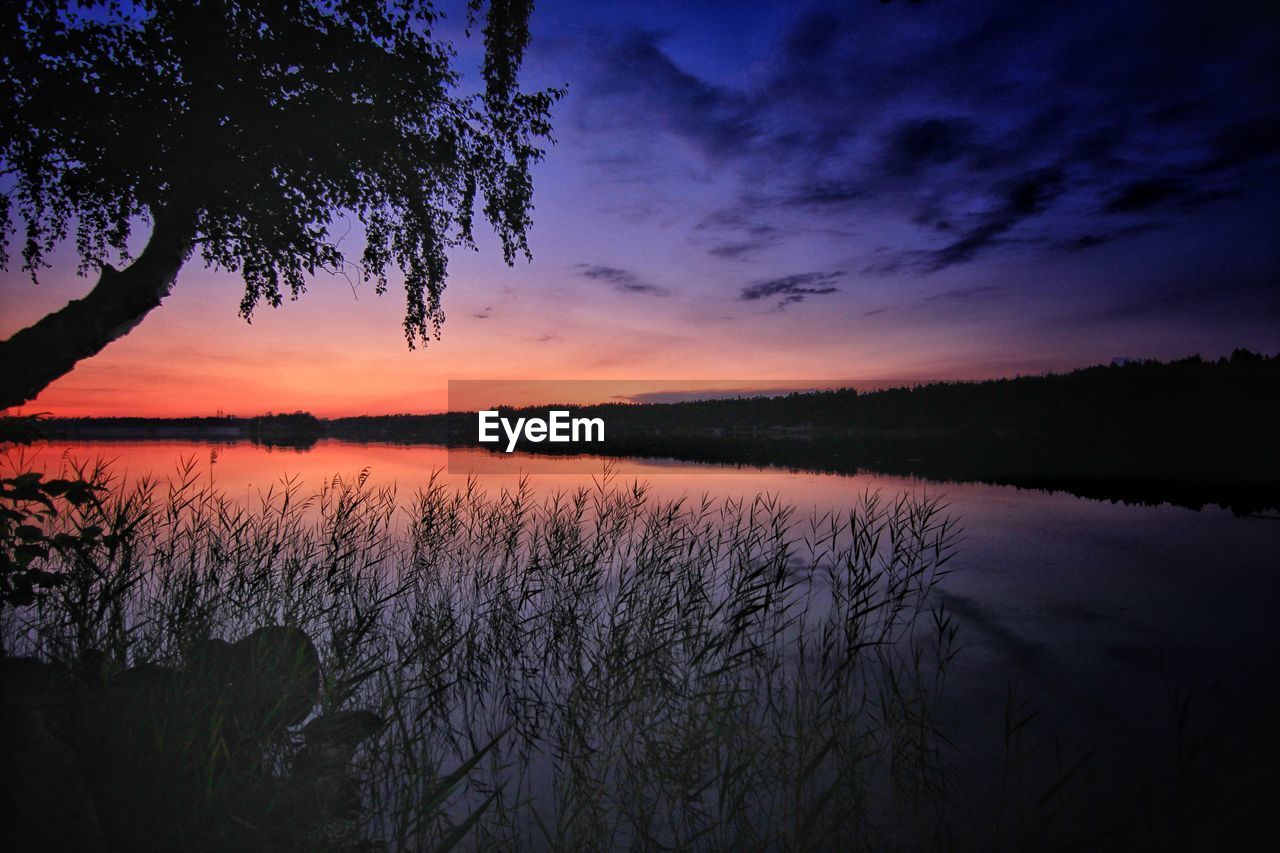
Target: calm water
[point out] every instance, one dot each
(1096, 610)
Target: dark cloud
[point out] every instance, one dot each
(1143, 195)
(1086, 241)
(914, 145)
(829, 194)
(1244, 298)
(1102, 238)
(736, 236)
(1023, 198)
(621, 280)
(634, 69)
(1245, 144)
(1162, 193)
(737, 251)
(1020, 199)
(793, 288)
(979, 293)
(969, 119)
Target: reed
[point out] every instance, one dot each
(584, 669)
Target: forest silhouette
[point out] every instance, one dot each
(1190, 432)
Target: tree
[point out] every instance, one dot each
(240, 131)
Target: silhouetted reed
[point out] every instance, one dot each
(584, 669)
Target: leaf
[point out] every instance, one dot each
(25, 481)
(63, 541)
(21, 595)
(41, 578)
(29, 532)
(26, 552)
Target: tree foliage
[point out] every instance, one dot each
(250, 127)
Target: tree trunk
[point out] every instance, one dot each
(39, 354)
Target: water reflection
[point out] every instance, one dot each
(1099, 611)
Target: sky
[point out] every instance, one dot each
(853, 191)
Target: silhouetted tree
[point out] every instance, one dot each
(241, 130)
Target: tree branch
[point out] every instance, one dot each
(49, 349)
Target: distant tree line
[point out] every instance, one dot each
(1190, 432)
(293, 429)
(1190, 395)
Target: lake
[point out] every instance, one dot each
(1099, 612)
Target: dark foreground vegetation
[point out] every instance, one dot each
(581, 670)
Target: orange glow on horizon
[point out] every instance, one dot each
(334, 355)
(338, 350)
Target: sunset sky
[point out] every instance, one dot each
(863, 191)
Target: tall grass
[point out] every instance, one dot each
(577, 670)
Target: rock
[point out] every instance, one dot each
(211, 660)
(151, 678)
(274, 676)
(331, 740)
(343, 727)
